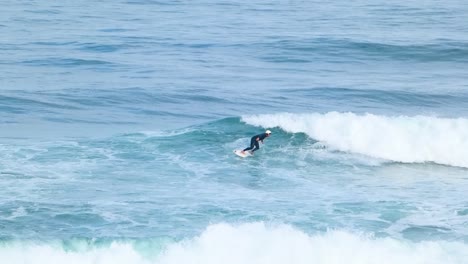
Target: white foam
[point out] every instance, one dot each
(166, 133)
(18, 212)
(255, 243)
(260, 244)
(400, 138)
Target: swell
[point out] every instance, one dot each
(309, 50)
(380, 99)
(66, 62)
(103, 106)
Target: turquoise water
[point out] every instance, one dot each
(118, 120)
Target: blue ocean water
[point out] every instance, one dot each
(118, 120)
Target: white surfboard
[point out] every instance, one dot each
(239, 153)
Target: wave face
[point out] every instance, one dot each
(415, 139)
(246, 243)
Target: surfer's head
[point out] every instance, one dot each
(268, 132)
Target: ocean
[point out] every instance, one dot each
(118, 120)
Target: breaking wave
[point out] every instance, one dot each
(409, 139)
(246, 243)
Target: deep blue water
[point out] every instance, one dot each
(118, 120)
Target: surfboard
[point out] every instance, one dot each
(239, 153)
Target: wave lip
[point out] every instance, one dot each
(408, 139)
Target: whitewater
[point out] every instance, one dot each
(118, 120)
(248, 243)
(409, 139)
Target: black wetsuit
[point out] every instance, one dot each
(254, 141)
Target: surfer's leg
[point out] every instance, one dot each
(257, 146)
(253, 142)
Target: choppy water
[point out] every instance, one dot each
(118, 120)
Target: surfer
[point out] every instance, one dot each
(254, 142)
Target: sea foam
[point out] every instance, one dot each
(256, 243)
(409, 139)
